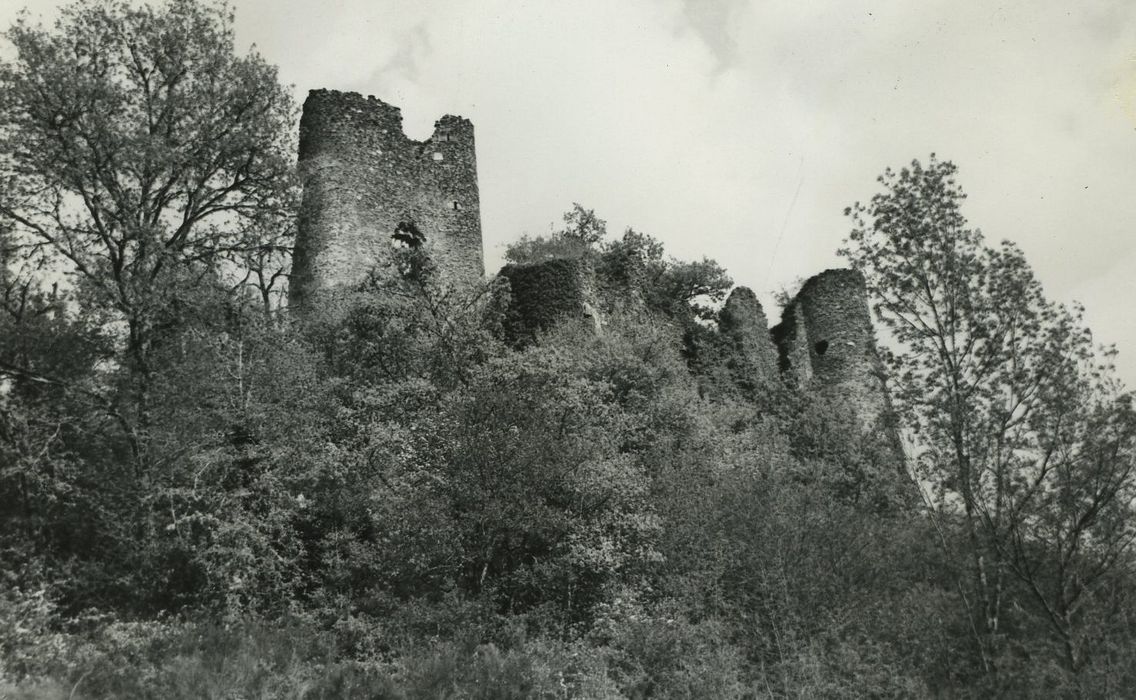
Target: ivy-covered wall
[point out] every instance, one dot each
(546, 292)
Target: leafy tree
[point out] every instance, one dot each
(145, 178)
(679, 289)
(139, 152)
(505, 475)
(582, 232)
(635, 266)
(51, 419)
(240, 421)
(1025, 442)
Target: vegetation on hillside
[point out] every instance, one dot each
(200, 498)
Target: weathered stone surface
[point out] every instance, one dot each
(825, 341)
(743, 325)
(368, 188)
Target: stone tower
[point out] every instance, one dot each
(742, 322)
(825, 342)
(368, 189)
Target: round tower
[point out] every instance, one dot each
(826, 342)
(838, 325)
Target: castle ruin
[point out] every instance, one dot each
(547, 292)
(825, 341)
(743, 325)
(369, 189)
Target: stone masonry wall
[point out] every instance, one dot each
(742, 322)
(364, 180)
(825, 341)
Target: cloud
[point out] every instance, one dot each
(714, 21)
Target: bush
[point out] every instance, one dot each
(664, 655)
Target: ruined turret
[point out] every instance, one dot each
(548, 292)
(825, 342)
(743, 325)
(368, 189)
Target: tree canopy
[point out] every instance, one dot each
(142, 159)
(1019, 425)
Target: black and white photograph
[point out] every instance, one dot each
(600, 349)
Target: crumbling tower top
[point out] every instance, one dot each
(369, 189)
(825, 341)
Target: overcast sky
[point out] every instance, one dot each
(740, 130)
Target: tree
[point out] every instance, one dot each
(633, 266)
(138, 153)
(582, 232)
(1025, 441)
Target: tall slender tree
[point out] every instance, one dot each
(1025, 441)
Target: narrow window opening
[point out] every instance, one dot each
(456, 206)
(407, 235)
(821, 347)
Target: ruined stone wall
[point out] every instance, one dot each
(363, 178)
(825, 341)
(548, 292)
(743, 325)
